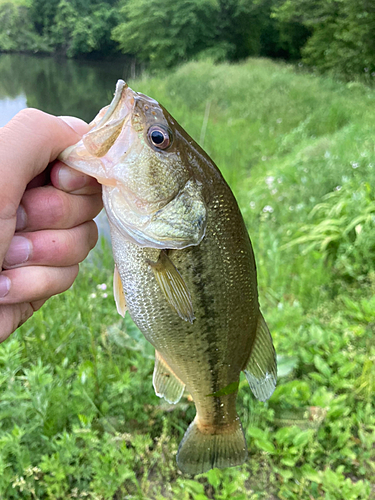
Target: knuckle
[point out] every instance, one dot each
(13, 316)
(8, 208)
(29, 114)
(56, 208)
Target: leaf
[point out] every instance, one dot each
(285, 365)
(256, 433)
(311, 474)
(214, 478)
(322, 366)
(229, 389)
(302, 438)
(265, 445)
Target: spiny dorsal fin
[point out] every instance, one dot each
(261, 369)
(100, 140)
(118, 293)
(166, 384)
(174, 287)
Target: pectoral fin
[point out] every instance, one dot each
(166, 384)
(118, 293)
(173, 286)
(261, 369)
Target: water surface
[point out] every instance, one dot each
(59, 86)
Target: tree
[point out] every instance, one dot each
(342, 33)
(164, 33)
(16, 30)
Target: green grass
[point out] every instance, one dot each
(78, 416)
(27, 3)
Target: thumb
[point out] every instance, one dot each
(28, 143)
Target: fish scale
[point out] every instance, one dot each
(186, 270)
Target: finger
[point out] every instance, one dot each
(37, 304)
(13, 316)
(41, 179)
(49, 208)
(72, 181)
(55, 248)
(34, 283)
(30, 141)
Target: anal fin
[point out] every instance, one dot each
(166, 384)
(173, 286)
(118, 293)
(261, 369)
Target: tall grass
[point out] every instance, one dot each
(79, 418)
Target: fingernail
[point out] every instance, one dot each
(78, 125)
(4, 285)
(71, 180)
(18, 252)
(21, 218)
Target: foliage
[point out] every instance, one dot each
(342, 34)
(16, 29)
(334, 36)
(78, 415)
(343, 230)
(179, 29)
(76, 32)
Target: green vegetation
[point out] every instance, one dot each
(335, 36)
(78, 415)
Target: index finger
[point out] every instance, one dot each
(28, 143)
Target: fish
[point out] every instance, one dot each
(184, 269)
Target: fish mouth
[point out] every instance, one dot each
(119, 109)
(109, 137)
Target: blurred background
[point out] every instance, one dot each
(280, 93)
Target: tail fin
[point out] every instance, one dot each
(199, 452)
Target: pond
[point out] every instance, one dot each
(59, 86)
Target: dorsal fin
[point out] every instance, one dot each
(174, 287)
(261, 369)
(166, 384)
(118, 293)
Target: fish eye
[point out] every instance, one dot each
(159, 137)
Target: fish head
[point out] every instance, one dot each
(134, 148)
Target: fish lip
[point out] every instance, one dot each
(123, 100)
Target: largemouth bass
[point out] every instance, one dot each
(184, 269)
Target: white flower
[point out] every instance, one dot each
(93, 296)
(269, 180)
(105, 295)
(102, 286)
(268, 209)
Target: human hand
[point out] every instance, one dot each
(46, 213)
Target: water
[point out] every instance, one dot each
(60, 87)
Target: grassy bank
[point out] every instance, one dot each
(78, 416)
